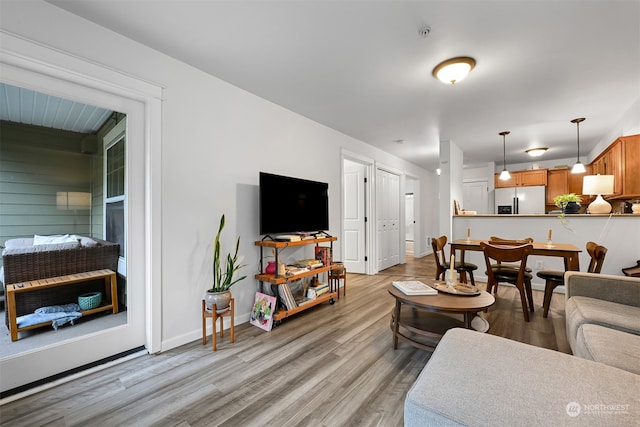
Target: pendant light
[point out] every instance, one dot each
(578, 167)
(504, 175)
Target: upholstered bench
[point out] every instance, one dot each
(476, 379)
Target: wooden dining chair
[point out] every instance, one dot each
(442, 265)
(495, 240)
(555, 278)
(521, 280)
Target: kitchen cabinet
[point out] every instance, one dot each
(631, 166)
(557, 183)
(622, 160)
(528, 178)
(609, 162)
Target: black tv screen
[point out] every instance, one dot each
(292, 205)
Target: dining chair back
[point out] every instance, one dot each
(521, 279)
(507, 268)
(597, 253)
(442, 265)
(555, 278)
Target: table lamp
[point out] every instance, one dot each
(598, 185)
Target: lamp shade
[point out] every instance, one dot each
(594, 185)
(597, 185)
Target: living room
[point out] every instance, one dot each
(188, 127)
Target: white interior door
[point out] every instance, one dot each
(388, 218)
(475, 197)
(354, 216)
(408, 215)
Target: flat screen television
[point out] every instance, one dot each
(292, 205)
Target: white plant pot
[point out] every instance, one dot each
(221, 300)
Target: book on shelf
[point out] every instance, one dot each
(309, 263)
(315, 291)
(414, 287)
(287, 297)
(323, 254)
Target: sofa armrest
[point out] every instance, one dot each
(618, 289)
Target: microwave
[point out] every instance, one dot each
(505, 209)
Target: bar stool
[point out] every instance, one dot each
(335, 275)
(214, 315)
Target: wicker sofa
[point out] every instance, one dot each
(22, 261)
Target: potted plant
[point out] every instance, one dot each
(569, 203)
(223, 274)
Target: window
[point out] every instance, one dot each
(115, 189)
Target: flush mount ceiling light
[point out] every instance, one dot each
(578, 167)
(453, 70)
(536, 152)
(504, 175)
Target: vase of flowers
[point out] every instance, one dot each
(223, 274)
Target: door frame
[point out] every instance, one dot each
(368, 206)
(41, 68)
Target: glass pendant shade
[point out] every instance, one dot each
(578, 167)
(504, 175)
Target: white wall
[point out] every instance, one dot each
(215, 139)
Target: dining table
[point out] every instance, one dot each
(569, 252)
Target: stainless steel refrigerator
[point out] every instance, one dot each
(520, 200)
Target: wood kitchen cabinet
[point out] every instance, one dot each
(609, 162)
(526, 178)
(622, 160)
(631, 166)
(557, 183)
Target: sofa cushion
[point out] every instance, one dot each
(86, 242)
(580, 310)
(41, 248)
(609, 346)
(53, 239)
(484, 380)
(18, 243)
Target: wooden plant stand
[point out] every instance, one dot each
(214, 315)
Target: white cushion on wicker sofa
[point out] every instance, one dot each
(55, 238)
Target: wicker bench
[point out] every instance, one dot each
(17, 289)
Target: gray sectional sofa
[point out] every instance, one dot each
(475, 379)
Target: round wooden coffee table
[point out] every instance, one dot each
(424, 316)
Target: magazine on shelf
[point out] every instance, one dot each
(414, 287)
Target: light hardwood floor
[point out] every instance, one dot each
(329, 366)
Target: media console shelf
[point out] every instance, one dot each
(276, 280)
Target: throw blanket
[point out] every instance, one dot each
(58, 315)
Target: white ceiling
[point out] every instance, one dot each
(361, 67)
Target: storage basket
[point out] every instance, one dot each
(89, 300)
